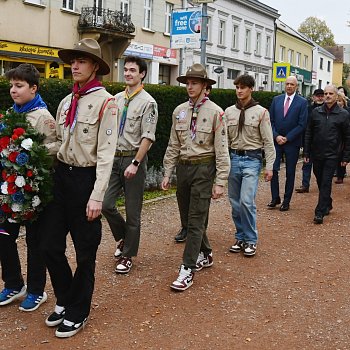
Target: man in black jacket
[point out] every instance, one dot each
(327, 129)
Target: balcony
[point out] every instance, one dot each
(96, 19)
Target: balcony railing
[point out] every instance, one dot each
(96, 17)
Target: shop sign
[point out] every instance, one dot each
(28, 49)
(140, 50)
(164, 54)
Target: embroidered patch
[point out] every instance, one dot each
(90, 106)
(181, 116)
(109, 132)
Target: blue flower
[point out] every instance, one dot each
(22, 159)
(2, 127)
(18, 197)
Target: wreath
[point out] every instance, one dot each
(25, 165)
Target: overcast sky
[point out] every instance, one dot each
(335, 13)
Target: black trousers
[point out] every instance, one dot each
(324, 171)
(67, 213)
(10, 262)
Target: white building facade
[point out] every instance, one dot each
(322, 68)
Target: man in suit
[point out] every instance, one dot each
(288, 113)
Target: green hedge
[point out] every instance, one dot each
(167, 97)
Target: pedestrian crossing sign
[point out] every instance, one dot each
(281, 71)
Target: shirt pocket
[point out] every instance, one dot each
(204, 135)
(251, 127)
(133, 124)
(87, 128)
(232, 128)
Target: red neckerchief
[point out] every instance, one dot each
(194, 115)
(91, 86)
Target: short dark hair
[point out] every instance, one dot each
(25, 72)
(245, 80)
(139, 61)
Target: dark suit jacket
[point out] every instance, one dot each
(294, 123)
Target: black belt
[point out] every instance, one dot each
(125, 153)
(204, 160)
(248, 153)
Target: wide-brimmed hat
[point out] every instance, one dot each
(86, 47)
(196, 71)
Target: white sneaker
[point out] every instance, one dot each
(203, 261)
(185, 279)
(119, 249)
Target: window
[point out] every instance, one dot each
(125, 6)
(306, 61)
(328, 66)
(290, 56)
(268, 46)
(164, 75)
(282, 53)
(235, 36)
(321, 62)
(209, 29)
(221, 32)
(298, 59)
(232, 73)
(69, 5)
(168, 10)
(258, 44)
(36, 2)
(320, 84)
(147, 14)
(247, 40)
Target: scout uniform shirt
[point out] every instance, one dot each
(141, 120)
(210, 139)
(43, 122)
(93, 139)
(256, 132)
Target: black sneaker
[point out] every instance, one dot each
(249, 249)
(181, 236)
(237, 247)
(318, 219)
(68, 329)
(55, 319)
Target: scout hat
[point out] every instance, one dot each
(85, 47)
(196, 71)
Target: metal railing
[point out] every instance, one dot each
(96, 17)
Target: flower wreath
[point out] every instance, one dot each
(25, 165)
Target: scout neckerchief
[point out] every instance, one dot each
(127, 99)
(36, 103)
(195, 114)
(91, 86)
(239, 105)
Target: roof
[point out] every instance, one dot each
(337, 51)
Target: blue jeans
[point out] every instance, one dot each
(242, 187)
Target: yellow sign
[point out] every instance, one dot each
(28, 49)
(281, 71)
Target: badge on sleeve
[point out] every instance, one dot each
(182, 116)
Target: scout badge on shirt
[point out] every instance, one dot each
(151, 118)
(181, 118)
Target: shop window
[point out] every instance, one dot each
(164, 75)
(54, 72)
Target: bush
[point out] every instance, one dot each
(167, 97)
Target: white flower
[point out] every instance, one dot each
(20, 181)
(12, 221)
(27, 144)
(35, 201)
(16, 207)
(5, 152)
(4, 188)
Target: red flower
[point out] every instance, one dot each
(29, 173)
(5, 208)
(28, 188)
(11, 188)
(4, 142)
(19, 131)
(11, 178)
(28, 215)
(4, 174)
(14, 137)
(1, 115)
(13, 156)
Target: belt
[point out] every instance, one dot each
(125, 153)
(204, 160)
(249, 152)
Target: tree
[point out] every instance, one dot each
(318, 31)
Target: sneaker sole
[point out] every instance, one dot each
(54, 323)
(39, 303)
(123, 272)
(181, 289)
(71, 333)
(249, 254)
(17, 296)
(235, 250)
(180, 240)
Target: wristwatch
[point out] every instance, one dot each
(135, 162)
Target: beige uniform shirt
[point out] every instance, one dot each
(256, 132)
(43, 122)
(141, 120)
(93, 140)
(210, 140)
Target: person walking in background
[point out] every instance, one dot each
(288, 113)
(137, 120)
(341, 170)
(24, 86)
(249, 131)
(327, 129)
(86, 125)
(199, 151)
(317, 100)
